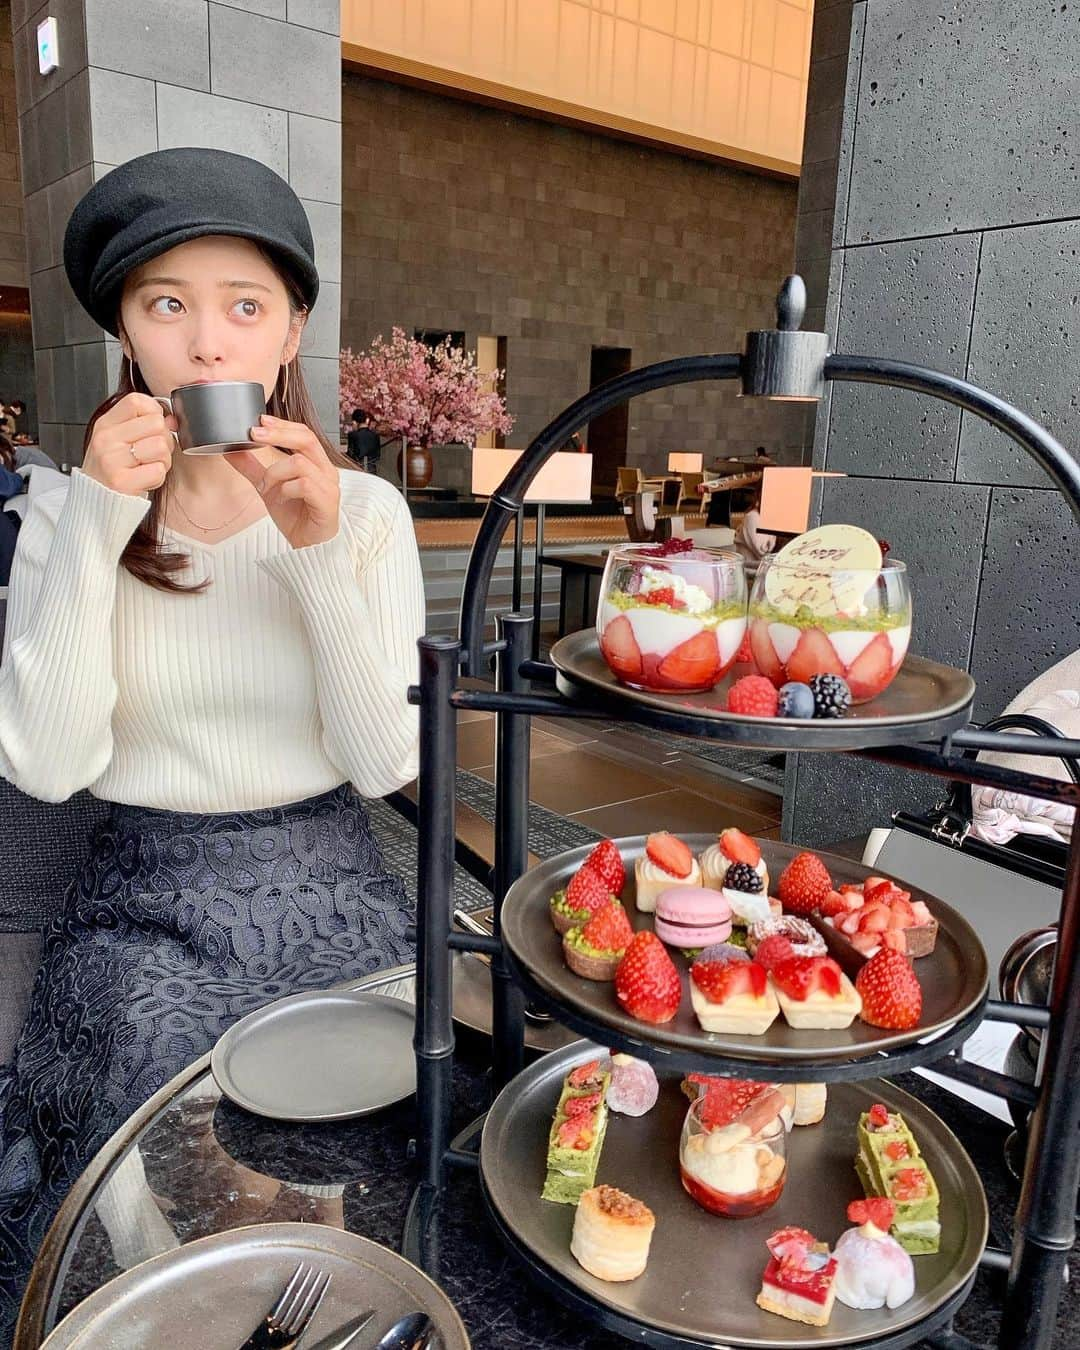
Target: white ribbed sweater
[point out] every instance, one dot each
(285, 678)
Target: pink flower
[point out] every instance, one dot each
(428, 395)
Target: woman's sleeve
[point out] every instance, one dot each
(57, 682)
(362, 598)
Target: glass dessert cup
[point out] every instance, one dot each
(672, 622)
(855, 623)
(730, 1171)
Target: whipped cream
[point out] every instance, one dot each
(657, 579)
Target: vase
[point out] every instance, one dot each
(418, 466)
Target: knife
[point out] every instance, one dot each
(345, 1336)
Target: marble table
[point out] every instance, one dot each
(190, 1163)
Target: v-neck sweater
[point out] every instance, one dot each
(284, 678)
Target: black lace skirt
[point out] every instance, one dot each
(177, 926)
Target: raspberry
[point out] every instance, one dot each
(753, 696)
(804, 885)
(773, 950)
(744, 654)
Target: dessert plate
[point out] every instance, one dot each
(954, 978)
(704, 1271)
(925, 701)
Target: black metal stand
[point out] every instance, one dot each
(780, 363)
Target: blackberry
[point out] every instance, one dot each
(832, 697)
(742, 877)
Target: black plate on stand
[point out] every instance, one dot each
(704, 1271)
(924, 702)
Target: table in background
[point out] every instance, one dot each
(578, 595)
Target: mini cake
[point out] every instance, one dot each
(810, 1102)
(804, 938)
(691, 916)
(731, 1155)
(743, 891)
(577, 1134)
(814, 993)
(612, 1232)
(666, 862)
(583, 897)
(798, 1282)
(872, 1269)
(732, 996)
(633, 1089)
(891, 1167)
(731, 847)
(595, 950)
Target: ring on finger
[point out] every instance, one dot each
(134, 454)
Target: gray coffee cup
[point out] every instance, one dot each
(216, 418)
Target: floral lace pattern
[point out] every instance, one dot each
(178, 925)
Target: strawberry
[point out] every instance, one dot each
(587, 891)
(745, 654)
(813, 655)
(721, 980)
(773, 950)
(876, 1210)
(665, 595)
(920, 912)
(804, 884)
(740, 847)
(582, 1106)
(901, 913)
(577, 1132)
(753, 696)
(897, 1150)
(585, 1075)
(727, 1098)
(874, 919)
(607, 860)
(910, 1183)
(894, 939)
(833, 904)
(609, 930)
(646, 981)
(879, 1117)
(801, 976)
(670, 853)
(867, 943)
(764, 653)
(793, 1243)
(693, 664)
(891, 994)
(620, 649)
(872, 669)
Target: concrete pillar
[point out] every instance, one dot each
(258, 77)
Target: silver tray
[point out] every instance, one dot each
(211, 1293)
(331, 1054)
(704, 1271)
(954, 978)
(925, 700)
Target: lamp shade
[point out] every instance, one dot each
(785, 498)
(565, 477)
(685, 461)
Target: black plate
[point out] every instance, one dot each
(924, 702)
(954, 978)
(704, 1271)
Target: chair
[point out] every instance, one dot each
(682, 491)
(631, 481)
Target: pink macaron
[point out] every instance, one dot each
(691, 916)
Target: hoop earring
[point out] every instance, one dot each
(132, 368)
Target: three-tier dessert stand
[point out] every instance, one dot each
(780, 363)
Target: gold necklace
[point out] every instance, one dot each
(208, 529)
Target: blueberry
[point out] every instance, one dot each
(796, 700)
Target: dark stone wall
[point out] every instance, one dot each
(954, 242)
(465, 218)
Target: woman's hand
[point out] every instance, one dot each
(302, 492)
(131, 446)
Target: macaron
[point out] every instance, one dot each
(691, 916)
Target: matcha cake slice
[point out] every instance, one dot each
(577, 1134)
(889, 1164)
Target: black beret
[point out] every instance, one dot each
(150, 204)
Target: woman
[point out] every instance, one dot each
(11, 485)
(219, 646)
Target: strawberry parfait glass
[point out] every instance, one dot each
(851, 622)
(728, 1169)
(671, 617)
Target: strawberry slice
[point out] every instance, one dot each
(872, 669)
(578, 1133)
(582, 1106)
(764, 653)
(813, 655)
(790, 1243)
(895, 940)
(910, 1183)
(730, 1099)
(897, 1150)
(740, 847)
(620, 649)
(693, 664)
(670, 853)
(647, 984)
(585, 1075)
(833, 904)
(664, 596)
(721, 980)
(879, 1117)
(874, 919)
(876, 1210)
(801, 976)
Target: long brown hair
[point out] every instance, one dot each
(7, 453)
(145, 557)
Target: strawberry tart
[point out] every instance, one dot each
(732, 996)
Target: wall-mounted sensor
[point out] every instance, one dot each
(48, 46)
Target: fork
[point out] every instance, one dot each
(291, 1315)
